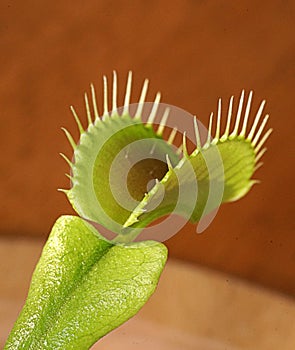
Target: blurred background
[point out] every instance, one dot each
(193, 52)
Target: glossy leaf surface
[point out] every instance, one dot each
(84, 287)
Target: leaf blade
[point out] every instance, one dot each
(83, 287)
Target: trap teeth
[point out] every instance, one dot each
(168, 161)
(163, 122)
(235, 133)
(172, 136)
(70, 138)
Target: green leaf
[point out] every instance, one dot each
(217, 171)
(103, 152)
(225, 169)
(84, 287)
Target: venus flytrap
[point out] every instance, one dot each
(125, 175)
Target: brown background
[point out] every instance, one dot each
(192, 51)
